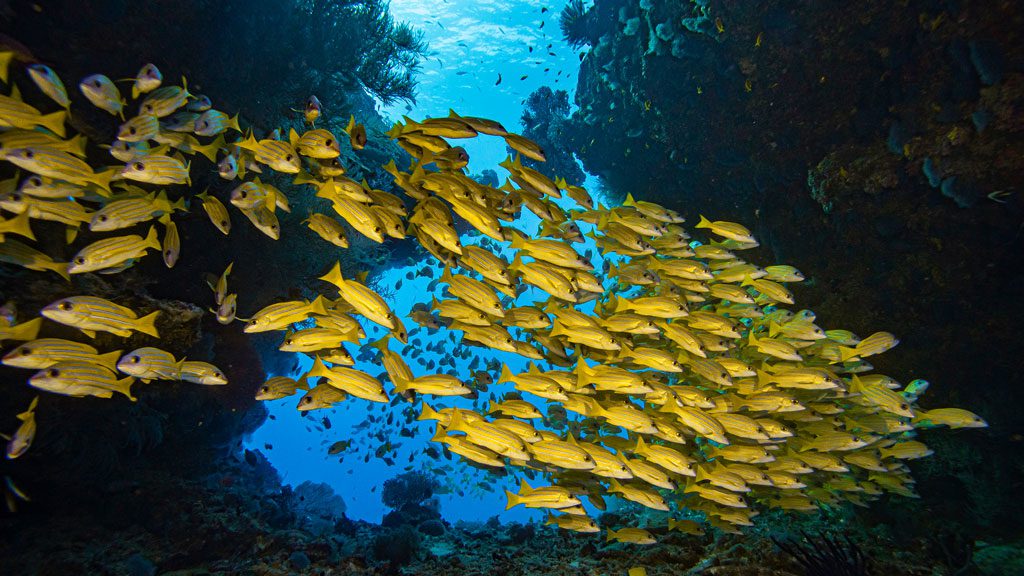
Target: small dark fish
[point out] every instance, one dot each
(499, 79)
(268, 446)
(327, 423)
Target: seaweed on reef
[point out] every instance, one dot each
(826, 556)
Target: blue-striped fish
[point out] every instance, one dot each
(157, 169)
(45, 352)
(16, 114)
(91, 314)
(213, 122)
(18, 138)
(81, 379)
(148, 363)
(25, 434)
(50, 189)
(139, 128)
(49, 83)
(103, 94)
(165, 101)
(14, 252)
(318, 143)
(180, 121)
(109, 253)
(64, 211)
(216, 211)
(148, 79)
(202, 373)
(58, 164)
(171, 242)
(199, 103)
(277, 154)
(126, 212)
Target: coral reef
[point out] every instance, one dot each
(885, 165)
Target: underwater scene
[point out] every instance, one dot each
(512, 287)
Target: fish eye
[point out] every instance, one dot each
(53, 373)
(376, 229)
(35, 181)
(102, 218)
(25, 351)
(264, 389)
(223, 223)
(29, 153)
(903, 406)
(328, 142)
(135, 359)
(305, 400)
(288, 158)
(97, 83)
(132, 130)
(218, 375)
(243, 193)
(80, 260)
(139, 166)
(64, 306)
(16, 197)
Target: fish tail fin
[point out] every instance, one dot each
(21, 226)
(704, 222)
(641, 447)
(446, 275)
(847, 352)
(317, 306)
(152, 240)
(27, 413)
(524, 488)
(427, 413)
(302, 383)
(54, 122)
(773, 329)
(582, 374)
(513, 500)
(558, 329)
(382, 343)
(506, 374)
(233, 123)
(77, 143)
(109, 360)
(518, 242)
(135, 91)
(763, 377)
(400, 382)
(102, 179)
(26, 330)
(124, 386)
(550, 520)
(334, 276)
(629, 200)
(612, 534)
(58, 267)
(147, 324)
(210, 150)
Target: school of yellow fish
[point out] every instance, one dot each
(696, 388)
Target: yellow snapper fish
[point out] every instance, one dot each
(157, 169)
(149, 363)
(23, 437)
(109, 253)
(216, 212)
(364, 300)
(283, 314)
(103, 94)
(16, 114)
(280, 387)
(277, 154)
(201, 373)
(171, 244)
(165, 100)
(45, 352)
(25, 256)
(91, 314)
(49, 83)
(214, 122)
(17, 138)
(148, 79)
(72, 378)
(59, 165)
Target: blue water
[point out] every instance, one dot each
(471, 43)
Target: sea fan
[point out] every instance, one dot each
(825, 556)
(575, 23)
